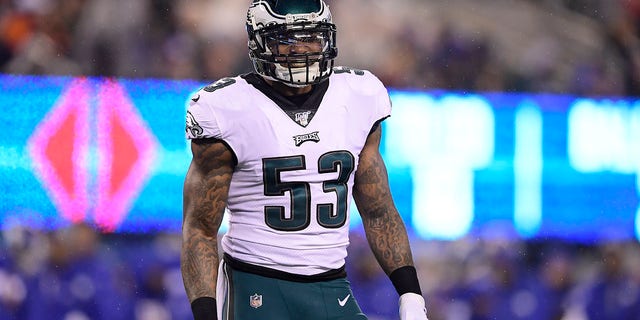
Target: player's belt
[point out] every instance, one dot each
(238, 265)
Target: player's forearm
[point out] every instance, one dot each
(383, 225)
(388, 240)
(199, 264)
(199, 253)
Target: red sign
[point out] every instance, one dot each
(59, 147)
(125, 150)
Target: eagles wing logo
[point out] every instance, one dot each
(193, 129)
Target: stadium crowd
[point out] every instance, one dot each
(586, 47)
(77, 273)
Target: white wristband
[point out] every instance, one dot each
(412, 307)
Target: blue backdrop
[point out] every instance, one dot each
(112, 152)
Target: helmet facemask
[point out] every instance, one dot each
(296, 51)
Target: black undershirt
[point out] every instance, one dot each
(291, 105)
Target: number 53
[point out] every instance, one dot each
(300, 191)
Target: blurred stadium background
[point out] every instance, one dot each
(513, 152)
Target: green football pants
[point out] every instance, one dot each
(254, 297)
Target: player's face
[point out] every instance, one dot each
(302, 43)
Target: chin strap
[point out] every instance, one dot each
(298, 76)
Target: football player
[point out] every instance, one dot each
(283, 150)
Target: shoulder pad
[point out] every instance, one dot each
(224, 82)
(360, 80)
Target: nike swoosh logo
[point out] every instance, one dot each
(343, 301)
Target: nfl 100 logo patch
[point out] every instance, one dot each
(255, 300)
(302, 118)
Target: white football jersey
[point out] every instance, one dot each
(291, 189)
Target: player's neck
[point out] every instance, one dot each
(286, 90)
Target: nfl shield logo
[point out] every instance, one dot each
(255, 300)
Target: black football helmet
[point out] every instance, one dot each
(278, 28)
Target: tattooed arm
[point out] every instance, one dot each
(385, 229)
(206, 189)
(383, 225)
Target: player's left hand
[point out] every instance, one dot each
(412, 307)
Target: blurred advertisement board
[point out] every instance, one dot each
(112, 152)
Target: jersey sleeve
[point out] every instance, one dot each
(201, 121)
(372, 93)
(382, 99)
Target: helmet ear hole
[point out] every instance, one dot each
(291, 41)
